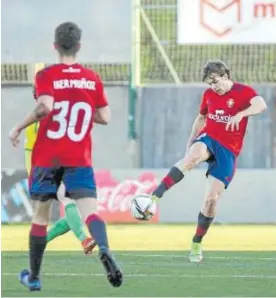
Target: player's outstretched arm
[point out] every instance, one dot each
(43, 107)
(257, 106)
(102, 115)
(197, 126)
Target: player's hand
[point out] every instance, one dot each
(234, 123)
(14, 136)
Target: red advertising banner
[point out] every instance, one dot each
(115, 195)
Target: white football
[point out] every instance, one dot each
(143, 207)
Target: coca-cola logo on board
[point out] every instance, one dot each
(116, 196)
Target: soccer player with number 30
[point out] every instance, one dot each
(72, 219)
(70, 98)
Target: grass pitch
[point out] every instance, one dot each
(228, 271)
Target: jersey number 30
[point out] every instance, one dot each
(69, 126)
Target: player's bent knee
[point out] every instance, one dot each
(198, 153)
(191, 160)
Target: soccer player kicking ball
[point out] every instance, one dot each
(217, 138)
(70, 98)
(72, 220)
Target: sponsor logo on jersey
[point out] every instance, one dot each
(220, 117)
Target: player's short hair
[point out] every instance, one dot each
(217, 67)
(67, 38)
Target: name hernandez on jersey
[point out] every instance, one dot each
(64, 136)
(219, 110)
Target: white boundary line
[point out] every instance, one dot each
(183, 256)
(148, 255)
(158, 275)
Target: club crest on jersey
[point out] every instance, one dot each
(230, 103)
